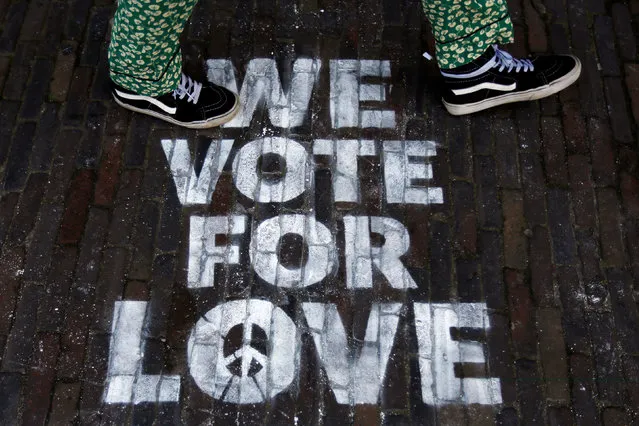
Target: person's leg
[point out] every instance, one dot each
(144, 55)
(465, 29)
(146, 67)
(477, 74)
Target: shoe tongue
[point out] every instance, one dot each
(477, 63)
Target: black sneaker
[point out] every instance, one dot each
(497, 78)
(194, 105)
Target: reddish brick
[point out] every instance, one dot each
(522, 315)
(615, 417)
(632, 82)
(77, 207)
(465, 218)
(610, 228)
(630, 193)
(515, 255)
(109, 171)
(64, 403)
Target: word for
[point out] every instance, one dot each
(406, 169)
(350, 100)
(360, 254)
(248, 351)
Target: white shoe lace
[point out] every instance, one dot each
(188, 87)
(505, 60)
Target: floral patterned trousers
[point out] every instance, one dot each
(144, 55)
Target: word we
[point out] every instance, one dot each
(352, 103)
(405, 165)
(248, 351)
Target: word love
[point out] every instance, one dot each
(406, 170)
(249, 351)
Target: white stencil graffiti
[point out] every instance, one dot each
(204, 253)
(262, 82)
(347, 94)
(345, 152)
(360, 256)
(438, 353)
(403, 165)
(406, 170)
(359, 380)
(193, 189)
(244, 352)
(264, 251)
(250, 182)
(125, 382)
(286, 110)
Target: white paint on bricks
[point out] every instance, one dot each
(191, 188)
(295, 181)
(262, 373)
(204, 254)
(346, 186)
(354, 380)
(404, 162)
(125, 382)
(265, 246)
(346, 94)
(387, 258)
(438, 353)
(262, 83)
(357, 252)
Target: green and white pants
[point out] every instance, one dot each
(144, 55)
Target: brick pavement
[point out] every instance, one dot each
(344, 253)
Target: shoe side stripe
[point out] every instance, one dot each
(134, 97)
(489, 86)
(487, 66)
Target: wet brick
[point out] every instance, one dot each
(610, 228)
(77, 207)
(515, 255)
(18, 162)
(42, 152)
(553, 354)
(563, 240)
(35, 92)
(27, 210)
(14, 20)
(619, 118)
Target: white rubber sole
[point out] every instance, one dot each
(215, 122)
(529, 95)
